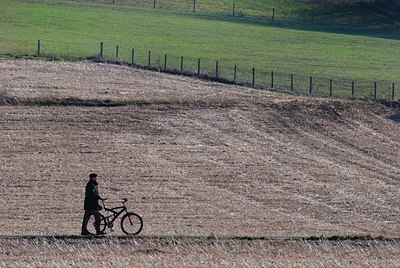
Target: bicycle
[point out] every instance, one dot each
(131, 223)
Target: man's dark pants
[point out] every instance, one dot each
(86, 216)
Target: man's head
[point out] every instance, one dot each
(93, 176)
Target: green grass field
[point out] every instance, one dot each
(75, 28)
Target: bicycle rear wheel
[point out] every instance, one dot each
(131, 223)
(91, 223)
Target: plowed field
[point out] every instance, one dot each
(194, 158)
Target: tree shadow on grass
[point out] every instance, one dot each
(382, 30)
(376, 19)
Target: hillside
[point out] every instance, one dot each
(74, 29)
(194, 157)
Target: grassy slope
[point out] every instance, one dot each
(76, 28)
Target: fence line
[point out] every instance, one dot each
(313, 86)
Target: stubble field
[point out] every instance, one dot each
(195, 159)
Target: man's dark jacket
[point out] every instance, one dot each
(92, 196)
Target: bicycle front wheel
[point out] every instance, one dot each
(91, 223)
(131, 223)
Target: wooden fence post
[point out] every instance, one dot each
(311, 85)
(154, 4)
(273, 14)
(291, 82)
(375, 89)
(235, 73)
(352, 89)
(101, 49)
(182, 64)
(233, 10)
(194, 6)
(133, 56)
(38, 47)
(254, 77)
(198, 67)
(216, 69)
(351, 23)
(148, 63)
(165, 62)
(312, 18)
(117, 52)
(330, 88)
(393, 91)
(272, 79)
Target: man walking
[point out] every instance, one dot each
(91, 204)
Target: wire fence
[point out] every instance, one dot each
(258, 78)
(218, 70)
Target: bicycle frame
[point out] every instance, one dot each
(115, 213)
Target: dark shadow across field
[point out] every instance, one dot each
(383, 30)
